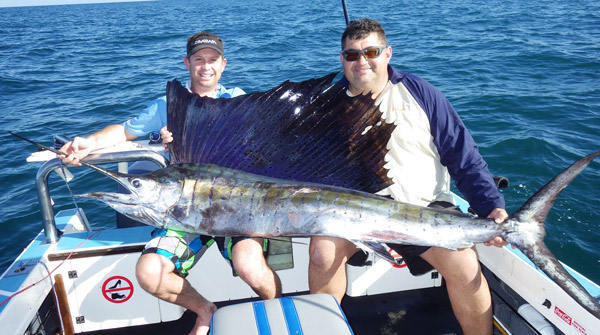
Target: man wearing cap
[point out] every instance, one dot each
(169, 255)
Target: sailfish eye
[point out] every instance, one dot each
(136, 183)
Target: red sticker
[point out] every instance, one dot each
(398, 258)
(117, 289)
(564, 316)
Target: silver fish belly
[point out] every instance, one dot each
(218, 202)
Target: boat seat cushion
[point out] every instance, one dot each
(304, 314)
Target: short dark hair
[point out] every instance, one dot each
(359, 29)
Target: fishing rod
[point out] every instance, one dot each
(51, 149)
(345, 12)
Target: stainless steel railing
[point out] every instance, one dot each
(41, 181)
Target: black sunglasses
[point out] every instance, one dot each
(352, 55)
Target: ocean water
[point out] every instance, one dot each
(524, 77)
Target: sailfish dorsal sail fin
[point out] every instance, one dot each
(309, 131)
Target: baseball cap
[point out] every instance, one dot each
(204, 40)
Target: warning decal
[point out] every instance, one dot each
(117, 289)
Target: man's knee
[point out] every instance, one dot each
(325, 252)
(459, 267)
(150, 269)
(321, 252)
(248, 260)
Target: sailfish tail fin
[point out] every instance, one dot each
(538, 206)
(530, 236)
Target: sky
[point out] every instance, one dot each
(21, 3)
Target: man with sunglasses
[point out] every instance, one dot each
(169, 255)
(429, 145)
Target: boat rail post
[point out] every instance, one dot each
(43, 192)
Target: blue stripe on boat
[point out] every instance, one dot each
(260, 315)
(291, 316)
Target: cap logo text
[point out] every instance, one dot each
(205, 41)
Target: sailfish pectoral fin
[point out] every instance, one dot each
(377, 249)
(296, 220)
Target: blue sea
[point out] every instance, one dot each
(523, 75)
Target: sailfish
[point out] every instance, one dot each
(305, 159)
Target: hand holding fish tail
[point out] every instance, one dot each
(499, 215)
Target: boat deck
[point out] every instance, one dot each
(417, 312)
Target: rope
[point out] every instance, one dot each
(62, 167)
(24, 263)
(62, 326)
(49, 276)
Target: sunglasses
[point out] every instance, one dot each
(352, 55)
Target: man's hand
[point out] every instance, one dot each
(499, 215)
(80, 147)
(76, 150)
(167, 137)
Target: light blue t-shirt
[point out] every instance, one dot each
(154, 116)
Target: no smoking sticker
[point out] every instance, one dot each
(117, 289)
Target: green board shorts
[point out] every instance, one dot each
(185, 249)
